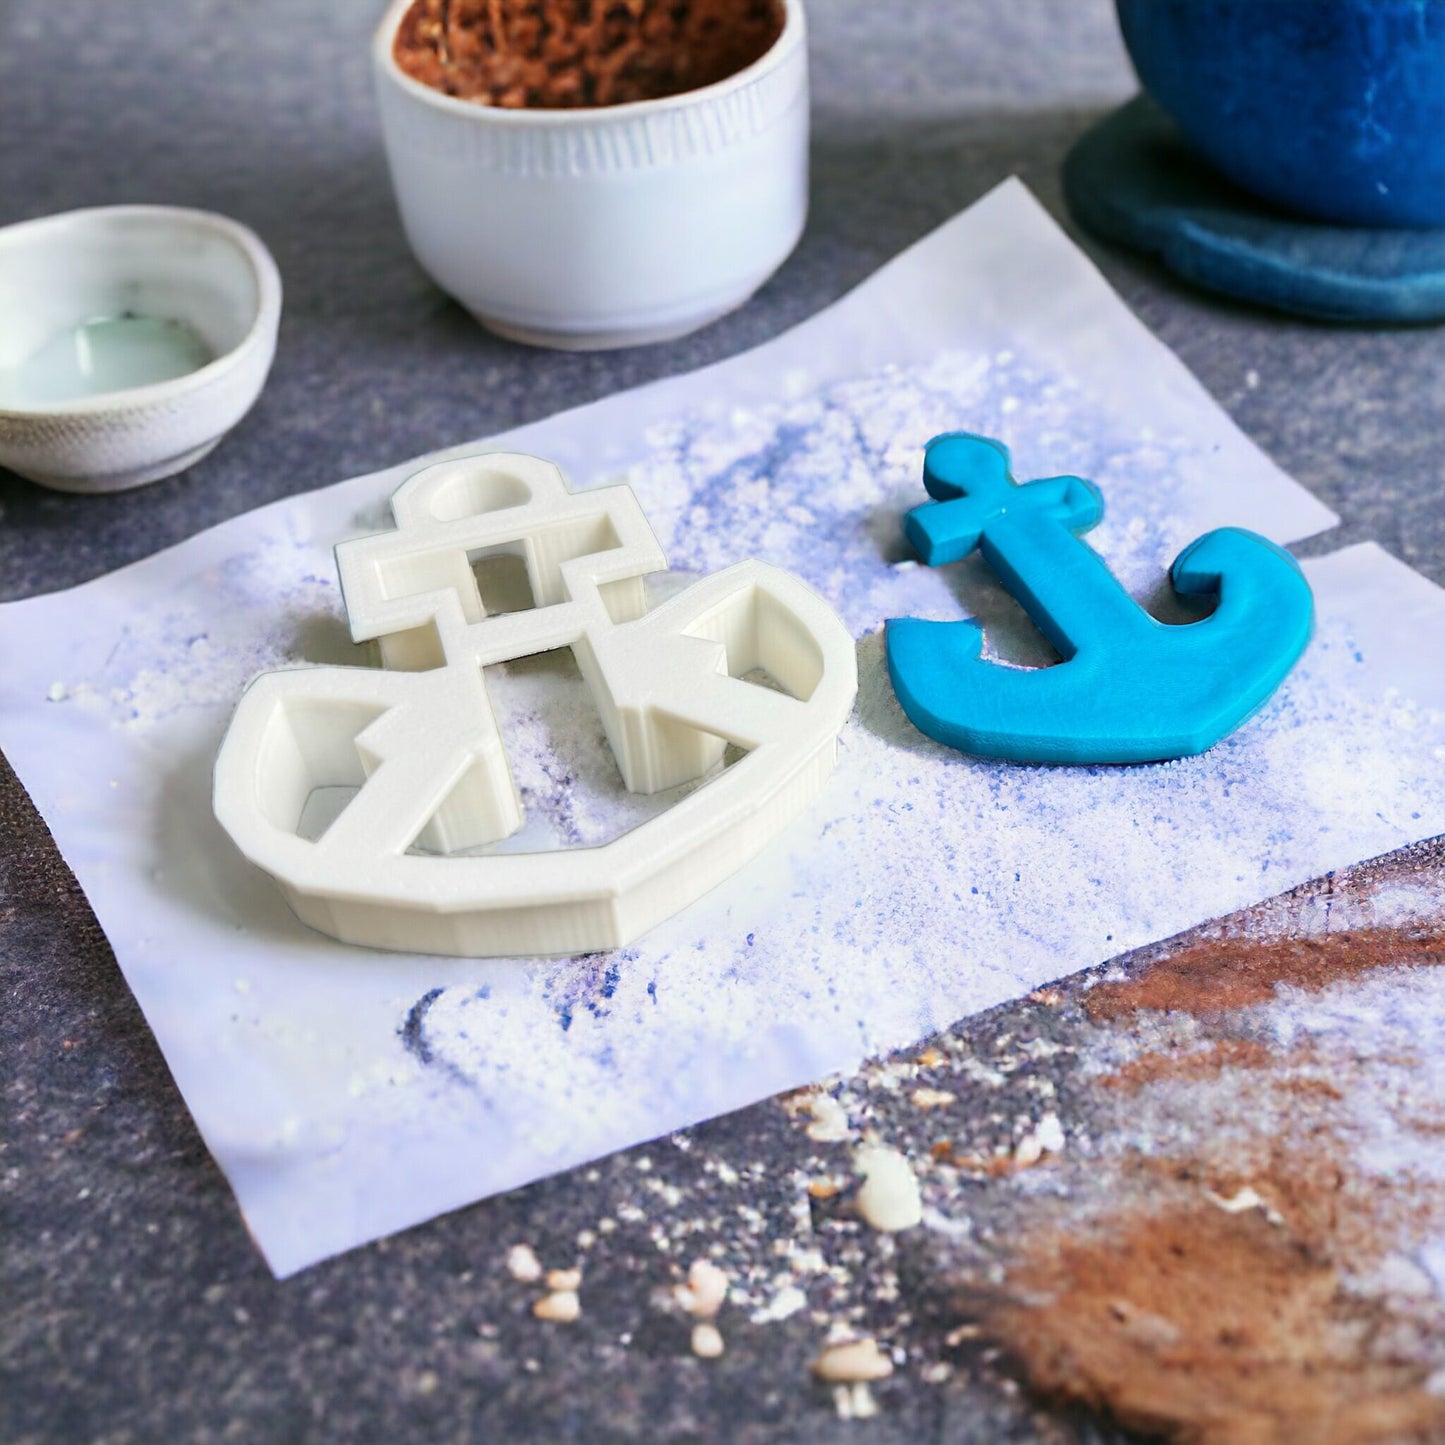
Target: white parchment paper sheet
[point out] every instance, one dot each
(347, 1093)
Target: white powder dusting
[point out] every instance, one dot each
(921, 885)
(919, 868)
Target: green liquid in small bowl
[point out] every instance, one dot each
(104, 354)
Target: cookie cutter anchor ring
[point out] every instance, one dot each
(419, 742)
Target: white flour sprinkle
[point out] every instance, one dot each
(919, 868)
(921, 878)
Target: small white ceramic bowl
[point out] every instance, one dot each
(611, 226)
(65, 278)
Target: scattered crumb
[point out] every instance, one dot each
(783, 1305)
(560, 1307)
(1028, 1151)
(523, 1264)
(1050, 1133)
(57, 692)
(1242, 1201)
(889, 1198)
(561, 1281)
(854, 1402)
(931, 1098)
(1046, 1137)
(706, 1289)
(994, 1166)
(707, 1342)
(852, 1361)
(830, 1119)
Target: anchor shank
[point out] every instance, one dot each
(1058, 579)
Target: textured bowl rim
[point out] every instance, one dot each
(792, 35)
(263, 324)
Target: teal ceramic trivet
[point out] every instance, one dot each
(1132, 179)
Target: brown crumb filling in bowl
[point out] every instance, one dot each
(561, 54)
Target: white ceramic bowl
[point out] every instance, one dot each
(610, 226)
(61, 273)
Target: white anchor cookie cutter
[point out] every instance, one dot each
(419, 741)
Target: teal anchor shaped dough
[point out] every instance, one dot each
(1129, 689)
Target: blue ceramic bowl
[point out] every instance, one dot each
(1332, 108)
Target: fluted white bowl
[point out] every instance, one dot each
(612, 226)
(205, 271)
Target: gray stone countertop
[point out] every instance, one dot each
(136, 1308)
